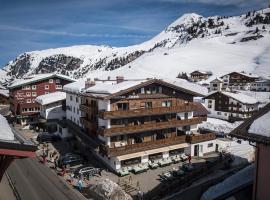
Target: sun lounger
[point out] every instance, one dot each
(153, 165)
(123, 172)
(183, 157)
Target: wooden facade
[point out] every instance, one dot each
(139, 118)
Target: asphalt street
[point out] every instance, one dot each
(35, 181)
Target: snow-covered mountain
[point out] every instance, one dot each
(192, 42)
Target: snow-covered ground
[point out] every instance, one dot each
(219, 126)
(5, 131)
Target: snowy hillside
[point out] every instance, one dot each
(192, 42)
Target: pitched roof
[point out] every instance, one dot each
(216, 79)
(4, 92)
(244, 74)
(236, 96)
(133, 85)
(256, 128)
(201, 110)
(51, 98)
(37, 78)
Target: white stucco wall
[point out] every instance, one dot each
(203, 147)
(73, 115)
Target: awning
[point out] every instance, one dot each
(131, 155)
(159, 150)
(178, 146)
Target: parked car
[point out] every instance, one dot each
(86, 171)
(47, 137)
(70, 160)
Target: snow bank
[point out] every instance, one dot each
(51, 98)
(106, 189)
(5, 132)
(240, 178)
(261, 126)
(219, 126)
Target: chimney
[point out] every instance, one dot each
(89, 83)
(119, 79)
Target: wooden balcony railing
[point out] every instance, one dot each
(196, 138)
(149, 126)
(90, 125)
(146, 111)
(133, 148)
(86, 108)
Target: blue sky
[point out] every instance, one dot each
(27, 25)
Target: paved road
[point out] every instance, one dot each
(34, 181)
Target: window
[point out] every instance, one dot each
(142, 90)
(70, 98)
(47, 87)
(50, 80)
(123, 106)
(34, 87)
(58, 86)
(34, 94)
(74, 109)
(166, 103)
(209, 106)
(218, 113)
(33, 100)
(28, 94)
(148, 104)
(57, 80)
(28, 101)
(77, 100)
(210, 145)
(26, 87)
(77, 110)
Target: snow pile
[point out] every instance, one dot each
(243, 152)
(107, 189)
(261, 126)
(5, 132)
(51, 98)
(219, 126)
(240, 178)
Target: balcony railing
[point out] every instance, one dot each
(90, 125)
(146, 111)
(149, 126)
(133, 148)
(197, 138)
(86, 108)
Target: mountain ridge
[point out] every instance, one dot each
(86, 60)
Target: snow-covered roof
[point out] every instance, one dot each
(5, 132)
(51, 98)
(216, 79)
(237, 96)
(75, 87)
(233, 182)
(202, 72)
(111, 87)
(4, 92)
(250, 75)
(36, 78)
(261, 126)
(241, 97)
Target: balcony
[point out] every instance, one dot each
(85, 108)
(149, 126)
(197, 138)
(146, 111)
(87, 124)
(133, 148)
